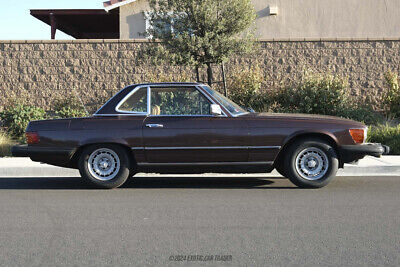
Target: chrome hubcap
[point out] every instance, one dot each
(312, 163)
(104, 164)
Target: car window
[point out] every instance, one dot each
(137, 102)
(231, 106)
(178, 101)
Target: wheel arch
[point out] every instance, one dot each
(77, 153)
(327, 137)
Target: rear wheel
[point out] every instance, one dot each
(311, 163)
(105, 166)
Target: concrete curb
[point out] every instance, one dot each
(24, 167)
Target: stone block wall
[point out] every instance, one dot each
(96, 69)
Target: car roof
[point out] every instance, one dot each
(168, 83)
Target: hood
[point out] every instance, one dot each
(307, 117)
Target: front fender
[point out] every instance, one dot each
(309, 133)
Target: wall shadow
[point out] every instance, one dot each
(137, 25)
(77, 183)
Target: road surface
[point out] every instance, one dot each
(185, 221)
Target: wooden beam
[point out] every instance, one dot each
(53, 24)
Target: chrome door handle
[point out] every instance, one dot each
(154, 125)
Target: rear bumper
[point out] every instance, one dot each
(19, 151)
(51, 155)
(355, 152)
(29, 151)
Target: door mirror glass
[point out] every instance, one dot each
(250, 110)
(216, 110)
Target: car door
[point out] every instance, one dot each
(180, 129)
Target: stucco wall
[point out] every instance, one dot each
(132, 20)
(301, 19)
(96, 69)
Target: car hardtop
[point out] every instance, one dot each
(167, 84)
(109, 107)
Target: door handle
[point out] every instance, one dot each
(154, 125)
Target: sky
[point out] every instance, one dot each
(16, 23)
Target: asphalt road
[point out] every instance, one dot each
(226, 221)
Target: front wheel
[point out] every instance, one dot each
(105, 166)
(311, 163)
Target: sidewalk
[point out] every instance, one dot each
(24, 167)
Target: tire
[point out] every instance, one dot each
(311, 163)
(109, 165)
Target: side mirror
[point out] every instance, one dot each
(216, 110)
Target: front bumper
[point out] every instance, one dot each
(355, 152)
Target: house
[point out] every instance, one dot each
(276, 19)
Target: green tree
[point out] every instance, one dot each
(200, 32)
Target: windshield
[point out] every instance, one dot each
(228, 104)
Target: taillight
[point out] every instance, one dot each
(359, 135)
(32, 138)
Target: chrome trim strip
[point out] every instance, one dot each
(143, 114)
(181, 116)
(207, 147)
(196, 147)
(206, 163)
(154, 125)
(119, 114)
(265, 147)
(137, 148)
(148, 101)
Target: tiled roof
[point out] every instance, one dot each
(108, 5)
(112, 2)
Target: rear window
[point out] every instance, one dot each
(137, 102)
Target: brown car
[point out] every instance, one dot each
(190, 128)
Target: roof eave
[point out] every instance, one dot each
(117, 5)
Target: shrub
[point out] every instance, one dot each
(391, 99)
(315, 94)
(386, 135)
(244, 89)
(15, 118)
(361, 112)
(325, 95)
(69, 107)
(5, 145)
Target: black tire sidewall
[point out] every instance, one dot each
(290, 163)
(118, 180)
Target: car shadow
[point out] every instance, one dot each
(77, 183)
